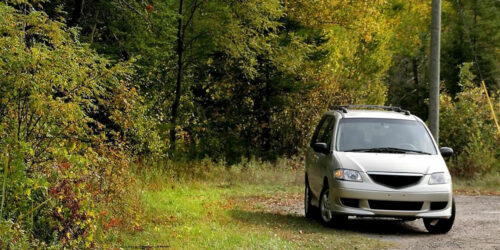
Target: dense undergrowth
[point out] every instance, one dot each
(64, 174)
(466, 124)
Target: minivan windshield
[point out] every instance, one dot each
(383, 135)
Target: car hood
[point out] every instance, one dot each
(389, 162)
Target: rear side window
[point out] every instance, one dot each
(324, 131)
(328, 136)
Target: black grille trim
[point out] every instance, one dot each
(350, 202)
(396, 205)
(395, 181)
(438, 205)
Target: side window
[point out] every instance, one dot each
(329, 132)
(317, 132)
(323, 130)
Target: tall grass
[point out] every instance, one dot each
(163, 174)
(210, 205)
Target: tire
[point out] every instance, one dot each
(326, 215)
(309, 209)
(440, 226)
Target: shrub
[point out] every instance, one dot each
(65, 114)
(467, 126)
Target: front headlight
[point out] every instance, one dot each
(348, 175)
(438, 178)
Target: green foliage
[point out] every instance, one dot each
(62, 126)
(407, 77)
(300, 69)
(471, 33)
(12, 236)
(467, 126)
(253, 71)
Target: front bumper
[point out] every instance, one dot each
(367, 193)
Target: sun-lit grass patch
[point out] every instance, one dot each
(253, 207)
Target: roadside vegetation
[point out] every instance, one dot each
(475, 141)
(252, 205)
(488, 184)
(127, 122)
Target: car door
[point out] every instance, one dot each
(325, 159)
(311, 157)
(315, 158)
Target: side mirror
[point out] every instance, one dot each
(320, 147)
(446, 151)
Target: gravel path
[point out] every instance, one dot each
(477, 226)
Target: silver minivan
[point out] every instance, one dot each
(377, 161)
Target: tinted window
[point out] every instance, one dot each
(368, 133)
(320, 135)
(328, 136)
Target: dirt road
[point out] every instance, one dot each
(477, 226)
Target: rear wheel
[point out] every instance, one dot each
(326, 214)
(308, 207)
(440, 226)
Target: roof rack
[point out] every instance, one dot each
(344, 108)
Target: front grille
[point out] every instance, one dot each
(396, 205)
(349, 202)
(438, 205)
(395, 181)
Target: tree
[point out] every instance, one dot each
(181, 36)
(277, 61)
(407, 77)
(471, 34)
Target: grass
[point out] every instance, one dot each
(488, 184)
(245, 207)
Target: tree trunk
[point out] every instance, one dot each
(180, 51)
(434, 69)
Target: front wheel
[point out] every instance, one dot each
(440, 226)
(308, 208)
(326, 214)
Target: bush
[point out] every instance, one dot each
(467, 126)
(65, 114)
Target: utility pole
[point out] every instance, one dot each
(434, 69)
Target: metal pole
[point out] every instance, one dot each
(434, 69)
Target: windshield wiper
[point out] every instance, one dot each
(359, 150)
(415, 151)
(387, 150)
(378, 150)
